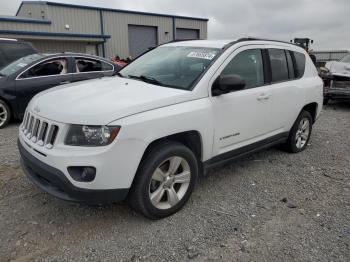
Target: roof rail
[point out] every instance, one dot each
(255, 39)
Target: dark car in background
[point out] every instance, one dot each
(29, 75)
(12, 49)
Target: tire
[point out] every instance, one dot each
(299, 136)
(5, 114)
(159, 185)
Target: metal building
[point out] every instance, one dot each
(332, 55)
(57, 27)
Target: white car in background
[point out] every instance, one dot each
(181, 108)
(337, 80)
(340, 68)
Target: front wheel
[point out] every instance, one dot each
(5, 114)
(165, 180)
(300, 133)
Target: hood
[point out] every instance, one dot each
(101, 101)
(338, 68)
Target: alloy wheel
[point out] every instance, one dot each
(303, 132)
(169, 182)
(3, 114)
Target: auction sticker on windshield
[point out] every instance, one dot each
(203, 55)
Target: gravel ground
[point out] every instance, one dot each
(271, 206)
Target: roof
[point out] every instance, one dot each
(108, 9)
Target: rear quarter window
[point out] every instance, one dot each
(299, 66)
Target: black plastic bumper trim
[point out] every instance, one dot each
(54, 182)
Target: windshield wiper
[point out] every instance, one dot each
(147, 79)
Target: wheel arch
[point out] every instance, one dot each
(312, 109)
(12, 114)
(191, 139)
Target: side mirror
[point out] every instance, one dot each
(227, 83)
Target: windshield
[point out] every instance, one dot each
(18, 64)
(171, 66)
(346, 59)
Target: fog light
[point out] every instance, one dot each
(82, 173)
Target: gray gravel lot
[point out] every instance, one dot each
(271, 206)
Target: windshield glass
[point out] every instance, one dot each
(171, 66)
(18, 64)
(346, 59)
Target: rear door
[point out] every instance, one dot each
(90, 68)
(285, 87)
(39, 77)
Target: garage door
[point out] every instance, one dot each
(141, 39)
(184, 33)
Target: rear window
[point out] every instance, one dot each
(10, 52)
(85, 65)
(279, 66)
(299, 67)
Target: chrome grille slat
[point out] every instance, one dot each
(39, 131)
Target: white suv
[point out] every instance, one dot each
(146, 134)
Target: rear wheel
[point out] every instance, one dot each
(300, 133)
(5, 114)
(165, 180)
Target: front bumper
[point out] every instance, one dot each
(337, 93)
(54, 182)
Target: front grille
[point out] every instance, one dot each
(39, 131)
(340, 84)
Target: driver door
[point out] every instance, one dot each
(242, 117)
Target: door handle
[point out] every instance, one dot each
(64, 82)
(263, 97)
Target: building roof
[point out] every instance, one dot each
(108, 9)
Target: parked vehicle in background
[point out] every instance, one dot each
(120, 63)
(29, 75)
(336, 76)
(12, 49)
(339, 68)
(174, 112)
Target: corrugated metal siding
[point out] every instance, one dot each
(28, 37)
(193, 24)
(59, 46)
(116, 25)
(25, 27)
(81, 21)
(34, 11)
(85, 21)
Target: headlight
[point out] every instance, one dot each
(82, 135)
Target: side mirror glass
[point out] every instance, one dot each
(227, 83)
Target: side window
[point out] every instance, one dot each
(249, 65)
(48, 68)
(279, 65)
(291, 71)
(91, 65)
(299, 64)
